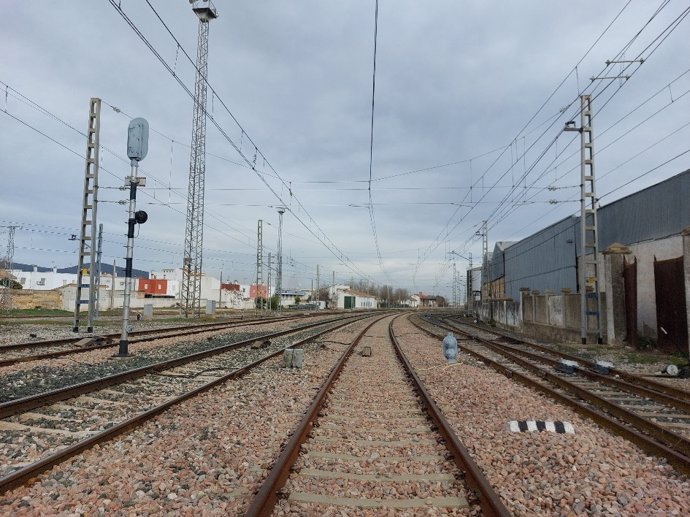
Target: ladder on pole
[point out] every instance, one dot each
(87, 235)
(590, 302)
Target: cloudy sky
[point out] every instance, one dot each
(471, 97)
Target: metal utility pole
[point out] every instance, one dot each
(6, 294)
(589, 231)
(279, 275)
(455, 285)
(96, 286)
(317, 282)
(112, 290)
(485, 271)
(137, 148)
(220, 290)
(87, 234)
(190, 297)
(259, 260)
(270, 266)
(485, 262)
(470, 294)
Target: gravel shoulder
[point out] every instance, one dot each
(205, 456)
(591, 472)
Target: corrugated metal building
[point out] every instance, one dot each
(547, 259)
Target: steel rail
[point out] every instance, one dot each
(489, 500)
(627, 376)
(683, 404)
(113, 335)
(13, 407)
(265, 498)
(141, 336)
(29, 472)
(662, 434)
(648, 443)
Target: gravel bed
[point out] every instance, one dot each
(26, 379)
(115, 403)
(205, 456)
(624, 358)
(357, 434)
(591, 472)
(20, 331)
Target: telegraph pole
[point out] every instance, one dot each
(190, 297)
(589, 231)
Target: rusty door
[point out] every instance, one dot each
(630, 282)
(671, 318)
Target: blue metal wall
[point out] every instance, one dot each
(547, 259)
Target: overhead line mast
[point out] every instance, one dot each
(190, 297)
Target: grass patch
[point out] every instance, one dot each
(38, 312)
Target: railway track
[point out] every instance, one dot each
(41, 431)
(654, 416)
(52, 348)
(374, 441)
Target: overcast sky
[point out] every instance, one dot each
(455, 142)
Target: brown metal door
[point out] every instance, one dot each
(630, 282)
(671, 318)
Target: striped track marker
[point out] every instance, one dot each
(522, 426)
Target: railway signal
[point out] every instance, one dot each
(137, 149)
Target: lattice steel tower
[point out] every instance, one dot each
(190, 297)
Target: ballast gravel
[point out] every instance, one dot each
(24, 379)
(591, 472)
(205, 456)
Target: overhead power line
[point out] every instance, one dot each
(319, 234)
(45, 111)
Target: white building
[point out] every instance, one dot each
(412, 302)
(43, 280)
(346, 298)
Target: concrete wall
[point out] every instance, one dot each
(551, 317)
(645, 252)
(30, 299)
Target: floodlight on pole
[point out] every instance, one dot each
(190, 293)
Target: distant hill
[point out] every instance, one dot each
(105, 268)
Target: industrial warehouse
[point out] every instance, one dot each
(644, 270)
